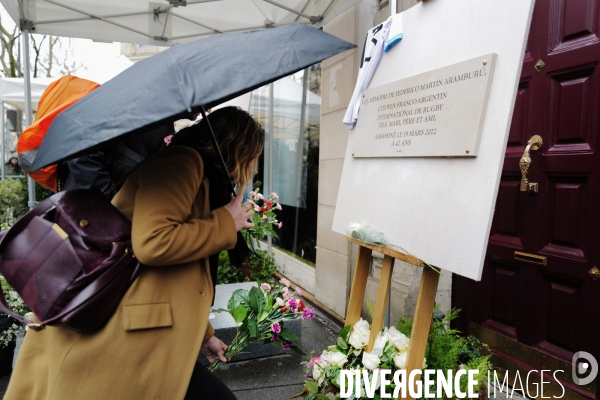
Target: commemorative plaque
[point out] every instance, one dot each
(439, 113)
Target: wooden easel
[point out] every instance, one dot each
(425, 300)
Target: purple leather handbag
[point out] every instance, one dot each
(70, 260)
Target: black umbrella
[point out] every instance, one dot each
(178, 82)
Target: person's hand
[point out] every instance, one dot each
(239, 213)
(214, 348)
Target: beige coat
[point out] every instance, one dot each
(149, 347)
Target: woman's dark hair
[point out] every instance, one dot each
(240, 139)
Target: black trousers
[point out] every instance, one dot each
(204, 385)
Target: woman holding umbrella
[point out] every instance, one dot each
(182, 213)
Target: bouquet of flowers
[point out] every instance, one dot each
(446, 350)
(264, 218)
(260, 314)
(323, 372)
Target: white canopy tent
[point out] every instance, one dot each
(164, 22)
(12, 92)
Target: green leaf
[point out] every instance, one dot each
(257, 300)
(311, 386)
(253, 328)
(341, 343)
(268, 303)
(288, 335)
(219, 310)
(240, 313)
(345, 332)
(267, 310)
(239, 297)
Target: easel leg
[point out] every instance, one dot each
(385, 281)
(359, 284)
(422, 321)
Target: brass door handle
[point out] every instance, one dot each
(525, 162)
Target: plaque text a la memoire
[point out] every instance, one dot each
(439, 113)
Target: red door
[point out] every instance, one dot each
(554, 308)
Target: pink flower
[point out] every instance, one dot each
(275, 327)
(265, 217)
(285, 282)
(284, 289)
(286, 345)
(266, 287)
(251, 203)
(311, 363)
(280, 302)
(292, 303)
(256, 208)
(299, 291)
(274, 196)
(278, 206)
(280, 225)
(308, 313)
(168, 139)
(287, 295)
(253, 195)
(274, 337)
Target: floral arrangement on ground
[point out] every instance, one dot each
(260, 314)
(446, 350)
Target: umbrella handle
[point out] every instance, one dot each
(216, 145)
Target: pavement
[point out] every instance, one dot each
(275, 377)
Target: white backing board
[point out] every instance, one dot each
(441, 209)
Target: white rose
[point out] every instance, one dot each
(370, 361)
(359, 337)
(380, 343)
(317, 373)
(334, 358)
(400, 360)
(400, 341)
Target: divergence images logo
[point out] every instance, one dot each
(587, 363)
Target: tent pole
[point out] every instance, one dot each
(270, 159)
(2, 159)
(300, 156)
(27, 80)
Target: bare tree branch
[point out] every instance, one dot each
(54, 57)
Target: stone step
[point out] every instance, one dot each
(225, 327)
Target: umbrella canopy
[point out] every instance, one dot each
(176, 83)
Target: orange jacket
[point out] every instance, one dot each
(57, 97)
